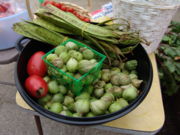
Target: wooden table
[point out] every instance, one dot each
(148, 118)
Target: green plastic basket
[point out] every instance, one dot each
(76, 85)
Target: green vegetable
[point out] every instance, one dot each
(65, 108)
(72, 65)
(44, 100)
(90, 89)
(62, 89)
(114, 107)
(133, 76)
(51, 57)
(106, 76)
(64, 56)
(117, 91)
(46, 79)
(131, 65)
(76, 115)
(68, 100)
(84, 95)
(48, 105)
(108, 98)
(124, 79)
(56, 107)
(58, 98)
(90, 114)
(136, 83)
(108, 86)
(130, 93)
(71, 46)
(66, 113)
(64, 69)
(98, 92)
(85, 66)
(105, 70)
(53, 87)
(70, 94)
(98, 107)
(71, 107)
(57, 62)
(66, 78)
(82, 106)
(122, 102)
(88, 79)
(60, 49)
(77, 55)
(100, 84)
(88, 54)
(115, 79)
(114, 71)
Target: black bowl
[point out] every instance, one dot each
(144, 72)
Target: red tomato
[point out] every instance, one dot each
(58, 5)
(78, 15)
(63, 8)
(68, 9)
(81, 18)
(36, 86)
(86, 19)
(36, 65)
(48, 2)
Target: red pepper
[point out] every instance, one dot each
(36, 86)
(36, 65)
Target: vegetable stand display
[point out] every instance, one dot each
(149, 114)
(80, 86)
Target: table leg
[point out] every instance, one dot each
(38, 124)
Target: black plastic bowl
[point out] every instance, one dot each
(144, 72)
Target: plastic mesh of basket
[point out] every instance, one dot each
(76, 85)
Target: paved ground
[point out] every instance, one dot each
(15, 121)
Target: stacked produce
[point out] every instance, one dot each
(53, 26)
(113, 90)
(74, 64)
(109, 90)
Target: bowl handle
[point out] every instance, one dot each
(20, 43)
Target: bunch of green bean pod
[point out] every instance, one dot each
(53, 26)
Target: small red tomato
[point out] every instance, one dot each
(86, 19)
(81, 18)
(53, 3)
(36, 86)
(68, 9)
(78, 15)
(63, 8)
(36, 65)
(58, 5)
(45, 3)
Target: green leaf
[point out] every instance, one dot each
(170, 65)
(169, 82)
(170, 52)
(166, 38)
